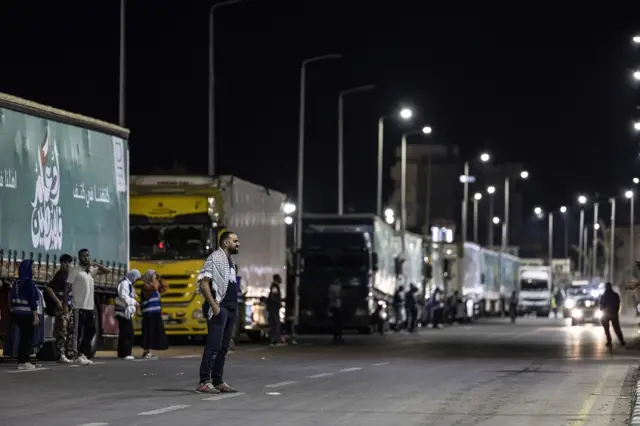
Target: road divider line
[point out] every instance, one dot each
(94, 424)
(317, 376)
(27, 371)
(163, 410)
(379, 364)
(223, 396)
(279, 385)
(186, 356)
(347, 370)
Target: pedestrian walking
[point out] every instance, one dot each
(24, 312)
(81, 280)
(610, 308)
(274, 303)
(217, 283)
(335, 306)
(59, 301)
(154, 337)
(126, 306)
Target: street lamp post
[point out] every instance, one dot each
(581, 242)
(212, 77)
(405, 114)
(477, 197)
(563, 210)
(484, 157)
(612, 240)
(491, 190)
(631, 196)
(341, 142)
(550, 243)
(403, 174)
(594, 243)
(303, 78)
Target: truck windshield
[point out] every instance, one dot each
(534, 285)
(336, 261)
(168, 242)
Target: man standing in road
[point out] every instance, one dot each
(610, 306)
(82, 285)
(217, 283)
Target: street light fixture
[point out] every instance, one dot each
(289, 208)
(288, 220)
(537, 211)
(496, 220)
(636, 39)
(563, 209)
(426, 130)
(582, 199)
(596, 226)
(491, 189)
(636, 180)
(636, 75)
(406, 113)
(484, 157)
(636, 125)
(524, 174)
(389, 212)
(629, 194)
(477, 196)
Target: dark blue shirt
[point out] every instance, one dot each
(230, 300)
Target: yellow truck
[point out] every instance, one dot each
(175, 222)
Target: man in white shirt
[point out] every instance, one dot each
(82, 286)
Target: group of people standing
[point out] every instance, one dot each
(70, 298)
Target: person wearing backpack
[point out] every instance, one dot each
(57, 299)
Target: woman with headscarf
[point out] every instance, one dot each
(126, 304)
(153, 335)
(24, 312)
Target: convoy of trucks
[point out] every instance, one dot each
(63, 187)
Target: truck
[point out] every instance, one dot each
(175, 223)
(64, 186)
(484, 282)
(409, 254)
(536, 289)
(355, 250)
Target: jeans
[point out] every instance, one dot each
(84, 330)
(25, 325)
(219, 335)
(614, 320)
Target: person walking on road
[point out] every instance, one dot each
(610, 306)
(217, 283)
(513, 306)
(60, 296)
(126, 305)
(84, 322)
(154, 337)
(24, 312)
(335, 306)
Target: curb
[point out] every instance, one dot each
(635, 405)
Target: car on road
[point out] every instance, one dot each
(585, 310)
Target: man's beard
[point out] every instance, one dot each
(85, 262)
(233, 251)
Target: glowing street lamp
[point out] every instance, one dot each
(406, 113)
(636, 180)
(485, 157)
(496, 220)
(537, 211)
(289, 208)
(477, 196)
(491, 189)
(288, 220)
(582, 199)
(427, 130)
(636, 125)
(524, 174)
(628, 194)
(563, 209)
(636, 39)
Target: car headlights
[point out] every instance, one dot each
(598, 314)
(569, 303)
(576, 313)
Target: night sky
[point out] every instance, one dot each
(553, 93)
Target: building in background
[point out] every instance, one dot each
(446, 191)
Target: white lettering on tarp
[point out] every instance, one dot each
(119, 164)
(46, 218)
(90, 194)
(8, 178)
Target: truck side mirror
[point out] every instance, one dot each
(374, 261)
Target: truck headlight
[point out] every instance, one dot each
(576, 313)
(569, 303)
(598, 314)
(197, 314)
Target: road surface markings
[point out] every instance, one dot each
(223, 396)
(593, 395)
(27, 371)
(380, 364)
(163, 410)
(186, 356)
(317, 376)
(347, 370)
(94, 424)
(278, 385)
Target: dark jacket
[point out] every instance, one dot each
(274, 300)
(610, 303)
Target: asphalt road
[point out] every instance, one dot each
(537, 372)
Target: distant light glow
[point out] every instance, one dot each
(563, 209)
(289, 208)
(288, 220)
(636, 180)
(636, 75)
(629, 194)
(390, 219)
(406, 113)
(636, 125)
(477, 196)
(537, 211)
(484, 157)
(596, 226)
(491, 189)
(636, 39)
(496, 220)
(582, 199)
(524, 174)
(426, 130)
(389, 212)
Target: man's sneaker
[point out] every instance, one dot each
(225, 388)
(206, 388)
(129, 358)
(26, 366)
(149, 355)
(83, 360)
(64, 360)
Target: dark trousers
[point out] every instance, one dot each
(274, 326)
(219, 335)
(125, 337)
(615, 322)
(85, 330)
(397, 312)
(412, 320)
(25, 325)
